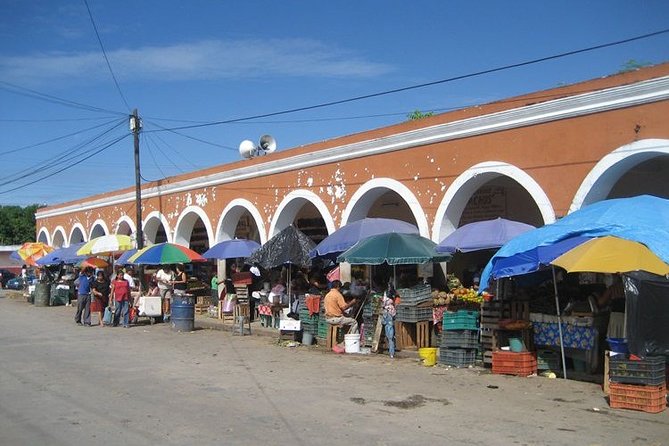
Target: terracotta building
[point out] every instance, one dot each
(532, 158)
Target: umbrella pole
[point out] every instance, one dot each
(394, 277)
(557, 306)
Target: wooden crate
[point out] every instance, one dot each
(413, 335)
(201, 308)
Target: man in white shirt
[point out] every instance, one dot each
(164, 278)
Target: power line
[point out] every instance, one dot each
(65, 156)
(423, 85)
(169, 146)
(69, 166)
(58, 138)
(23, 91)
(32, 121)
(192, 137)
(104, 53)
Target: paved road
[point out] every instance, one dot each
(62, 384)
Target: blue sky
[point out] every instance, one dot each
(181, 63)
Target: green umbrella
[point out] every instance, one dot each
(394, 249)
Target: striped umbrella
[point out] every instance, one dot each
(30, 252)
(106, 245)
(165, 253)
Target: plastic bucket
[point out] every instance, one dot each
(42, 294)
(429, 355)
(183, 313)
(516, 345)
(352, 343)
(618, 345)
(307, 338)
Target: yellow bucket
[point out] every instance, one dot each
(429, 355)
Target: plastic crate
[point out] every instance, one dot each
(512, 363)
(650, 371)
(460, 339)
(457, 357)
(651, 399)
(415, 295)
(547, 360)
(461, 320)
(409, 313)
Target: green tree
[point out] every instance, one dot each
(17, 224)
(632, 65)
(417, 114)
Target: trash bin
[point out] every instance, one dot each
(183, 312)
(42, 294)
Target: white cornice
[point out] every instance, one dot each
(643, 92)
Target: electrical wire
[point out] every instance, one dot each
(32, 121)
(423, 85)
(155, 162)
(58, 138)
(104, 53)
(65, 156)
(69, 166)
(23, 91)
(169, 146)
(191, 137)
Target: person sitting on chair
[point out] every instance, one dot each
(335, 305)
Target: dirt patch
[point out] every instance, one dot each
(360, 401)
(413, 402)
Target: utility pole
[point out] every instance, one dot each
(135, 127)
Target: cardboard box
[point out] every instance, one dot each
(290, 325)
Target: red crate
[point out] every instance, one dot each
(651, 399)
(512, 363)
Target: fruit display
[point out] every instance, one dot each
(457, 295)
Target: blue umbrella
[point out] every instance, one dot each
(642, 219)
(347, 236)
(124, 258)
(232, 249)
(66, 255)
(487, 234)
(534, 259)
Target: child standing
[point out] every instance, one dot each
(388, 314)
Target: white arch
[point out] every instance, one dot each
(59, 242)
(291, 204)
(186, 222)
(460, 191)
(43, 236)
(362, 200)
(98, 223)
(80, 227)
(598, 183)
(150, 226)
(128, 221)
(227, 223)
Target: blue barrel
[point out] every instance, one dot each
(183, 313)
(42, 294)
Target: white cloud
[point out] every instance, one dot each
(209, 59)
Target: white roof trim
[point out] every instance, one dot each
(614, 98)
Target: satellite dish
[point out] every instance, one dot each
(247, 149)
(267, 143)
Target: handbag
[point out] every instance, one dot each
(107, 319)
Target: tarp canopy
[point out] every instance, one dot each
(290, 246)
(487, 234)
(644, 219)
(347, 236)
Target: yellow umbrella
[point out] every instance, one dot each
(32, 251)
(106, 245)
(611, 255)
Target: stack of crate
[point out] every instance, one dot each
(513, 363)
(491, 313)
(309, 322)
(202, 304)
(459, 338)
(638, 384)
(414, 316)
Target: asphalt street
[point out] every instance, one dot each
(63, 384)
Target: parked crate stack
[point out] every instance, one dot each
(512, 363)
(638, 384)
(309, 322)
(491, 313)
(459, 338)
